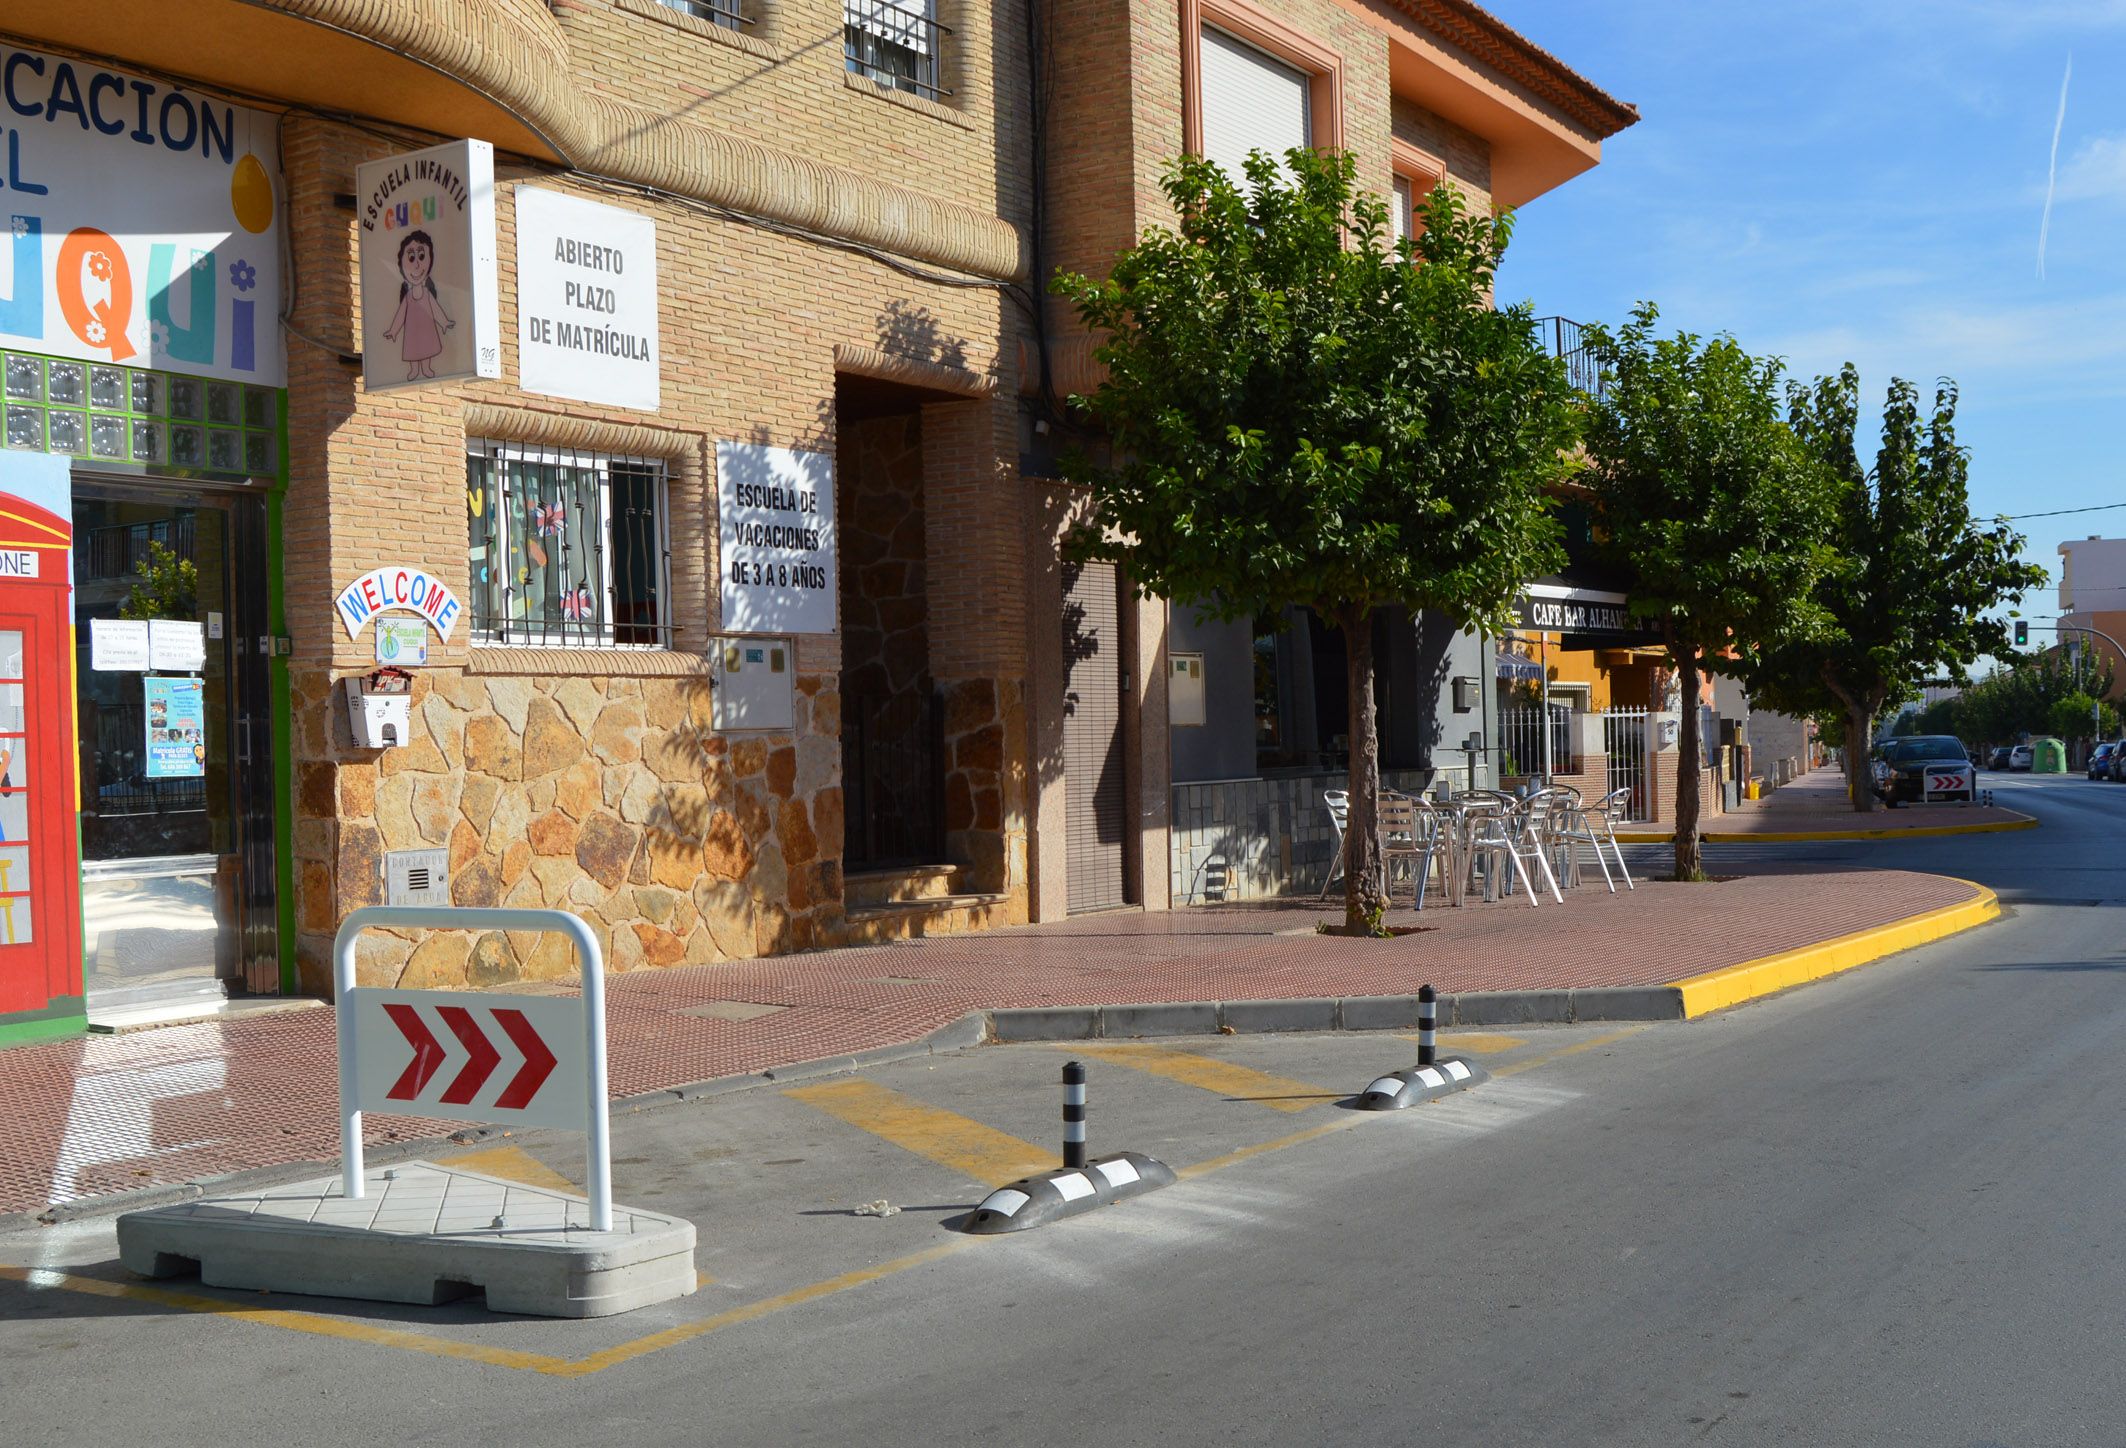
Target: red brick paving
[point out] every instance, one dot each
(85, 1118)
(1817, 801)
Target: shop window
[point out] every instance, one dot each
(567, 549)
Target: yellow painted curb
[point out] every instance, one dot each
(1719, 989)
(1743, 837)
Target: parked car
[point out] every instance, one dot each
(2019, 757)
(2000, 757)
(2103, 761)
(1899, 767)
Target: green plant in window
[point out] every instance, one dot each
(168, 587)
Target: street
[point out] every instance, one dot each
(1881, 1209)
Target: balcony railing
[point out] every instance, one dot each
(1567, 339)
(717, 12)
(894, 45)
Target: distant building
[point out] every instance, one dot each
(2093, 596)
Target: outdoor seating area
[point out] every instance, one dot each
(1489, 844)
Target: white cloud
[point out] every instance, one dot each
(2096, 171)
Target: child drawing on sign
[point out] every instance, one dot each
(420, 319)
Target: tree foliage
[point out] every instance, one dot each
(1703, 494)
(1302, 411)
(1915, 574)
(168, 587)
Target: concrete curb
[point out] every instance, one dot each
(1788, 837)
(1682, 1000)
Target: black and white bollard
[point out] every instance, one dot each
(1073, 1113)
(1078, 1185)
(1431, 1077)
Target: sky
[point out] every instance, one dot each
(1867, 181)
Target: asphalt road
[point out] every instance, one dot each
(1882, 1209)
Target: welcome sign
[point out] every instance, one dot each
(142, 222)
(414, 590)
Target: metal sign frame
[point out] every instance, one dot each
(1927, 792)
(597, 1122)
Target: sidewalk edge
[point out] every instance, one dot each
(1719, 989)
(1788, 837)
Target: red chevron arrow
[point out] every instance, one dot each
(427, 1053)
(481, 1057)
(539, 1062)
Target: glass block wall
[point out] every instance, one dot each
(165, 420)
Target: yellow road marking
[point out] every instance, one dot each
(688, 1331)
(946, 1137)
(1563, 1051)
(1279, 1093)
(837, 1098)
(1477, 1041)
(310, 1322)
(514, 1164)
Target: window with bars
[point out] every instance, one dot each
(730, 14)
(567, 549)
(896, 45)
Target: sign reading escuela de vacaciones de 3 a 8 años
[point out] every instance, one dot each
(142, 222)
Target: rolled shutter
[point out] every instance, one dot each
(1251, 102)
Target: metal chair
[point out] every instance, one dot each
(1338, 804)
(1601, 820)
(1408, 831)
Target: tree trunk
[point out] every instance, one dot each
(1364, 885)
(1690, 776)
(1859, 729)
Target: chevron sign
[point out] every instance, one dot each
(470, 1056)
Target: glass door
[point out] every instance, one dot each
(175, 735)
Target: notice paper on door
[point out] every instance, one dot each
(177, 728)
(176, 645)
(118, 645)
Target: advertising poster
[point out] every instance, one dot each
(430, 297)
(775, 515)
(586, 300)
(142, 222)
(177, 728)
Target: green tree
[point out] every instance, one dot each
(168, 587)
(1702, 493)
(1301, 411)
(1915, 574)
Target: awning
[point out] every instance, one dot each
(1519, 670)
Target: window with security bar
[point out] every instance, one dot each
(567, 549)
(896, 45)
(730, 14)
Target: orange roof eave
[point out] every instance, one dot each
(1544, 122)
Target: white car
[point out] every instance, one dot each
(2019, 757)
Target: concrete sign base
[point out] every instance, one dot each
(420, 1233)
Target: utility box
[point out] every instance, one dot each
(753, 686)
(1184, 690)
(2048, 756)
(379, 708)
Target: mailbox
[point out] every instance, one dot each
(379, 708)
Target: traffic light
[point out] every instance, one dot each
(2022, 633)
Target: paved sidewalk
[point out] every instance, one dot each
(109, 1114)
(1816, 804)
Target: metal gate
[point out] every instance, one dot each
(1624, 736)
(892, 750)
(1095, 779)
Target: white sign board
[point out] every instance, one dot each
(176, 645)
(403, 643)
(1939, 781)
(18, 562)
(414, 590)
(775, 515)
(470, 1056)
(431, 306)
(145, 220)
(118, 645)
(586, 300)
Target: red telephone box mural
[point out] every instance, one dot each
(40, 868)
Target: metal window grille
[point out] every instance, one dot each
(895, 45)
(567, 549)
(1522, 732)
(719, 12)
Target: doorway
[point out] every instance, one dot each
(175, 726)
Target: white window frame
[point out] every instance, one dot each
(544, 634)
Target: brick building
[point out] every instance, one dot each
(222, 435)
